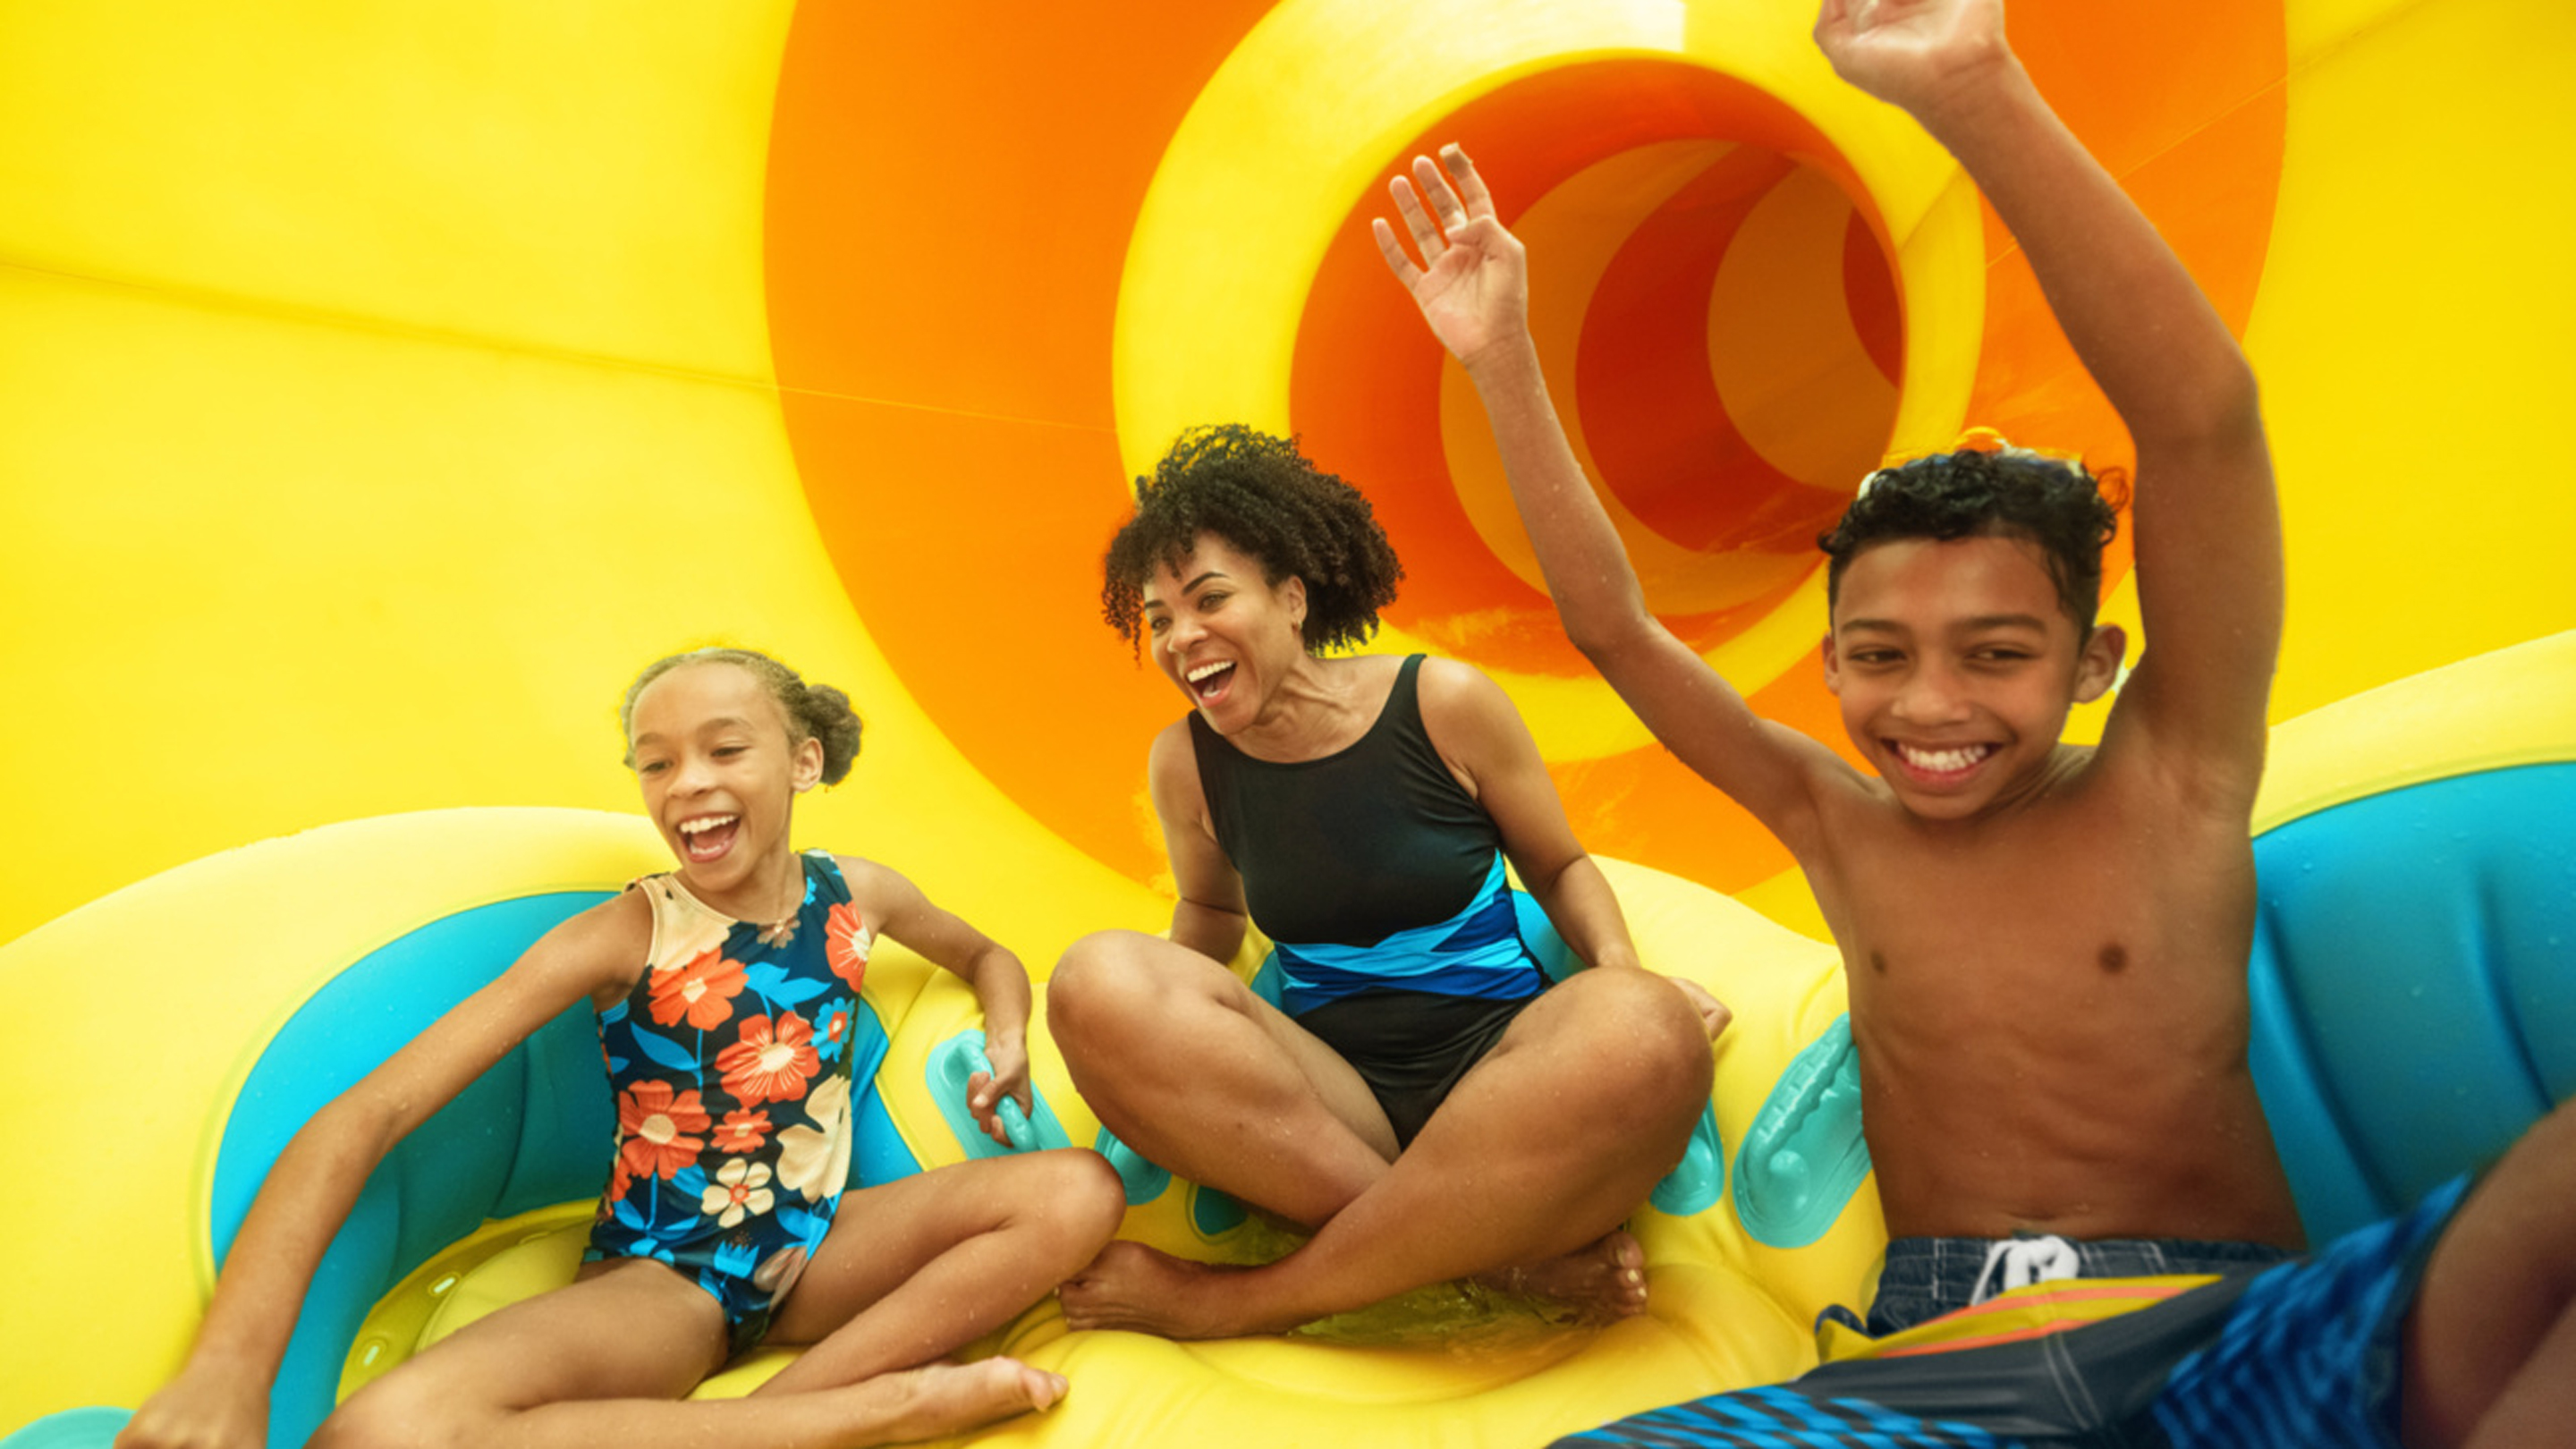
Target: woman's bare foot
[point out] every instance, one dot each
(1590, 1286)
(941, 1399)
(1138, 1288)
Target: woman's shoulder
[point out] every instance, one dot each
(1173, 759)
(1453, 687)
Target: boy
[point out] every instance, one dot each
(2045, 943)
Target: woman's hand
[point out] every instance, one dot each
(1009, 1080)
(1473, 284)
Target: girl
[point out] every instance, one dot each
(724, 1223)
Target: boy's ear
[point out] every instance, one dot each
(1833, 662)
(805, 765)
(2097, 664)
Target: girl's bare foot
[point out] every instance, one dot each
(942, 1399)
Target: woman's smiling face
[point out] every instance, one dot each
(1222, 632)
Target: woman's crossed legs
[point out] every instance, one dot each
(1524, 1174)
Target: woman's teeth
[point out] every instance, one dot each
(1206, 679)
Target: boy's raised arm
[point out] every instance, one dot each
(2208, 527)
(1472, 287)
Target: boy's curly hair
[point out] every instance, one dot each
(1263, 497)
(1988, 487)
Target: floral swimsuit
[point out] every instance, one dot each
(731, 1065)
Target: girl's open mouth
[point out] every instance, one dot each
(708, 837)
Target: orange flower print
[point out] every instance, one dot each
(656, 1125)
(769, 1065)
(742, 1132)
(845, 944)
(702, 990)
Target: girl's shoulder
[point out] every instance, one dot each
(600, 948)
(873, 888)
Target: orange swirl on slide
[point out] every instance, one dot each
(1722, 323)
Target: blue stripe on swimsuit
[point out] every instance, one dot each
(1476, 953)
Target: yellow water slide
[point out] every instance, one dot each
(380, 385)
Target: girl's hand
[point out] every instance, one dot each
(1713, 1013)
(203, 1408)
(1913, 53)
(1009, 1054)
(1472, 285)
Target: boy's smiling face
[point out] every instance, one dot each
(1955, 664)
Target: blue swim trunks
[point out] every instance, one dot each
(2301, 1355)
(731, 1064)
(1924, 1278)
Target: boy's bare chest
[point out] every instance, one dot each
(2066, 904)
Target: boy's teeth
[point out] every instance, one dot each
(1942, 762)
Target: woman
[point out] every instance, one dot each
(1424, 1104)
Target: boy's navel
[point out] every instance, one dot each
(2115, 957)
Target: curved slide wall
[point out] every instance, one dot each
(377, 391)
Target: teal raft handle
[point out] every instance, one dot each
(1015, 1123)
(954, 1063)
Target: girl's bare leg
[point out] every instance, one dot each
(600, 1362)
(1543, 1149)
(916, 1268)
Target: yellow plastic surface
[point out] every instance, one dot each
(380, 386)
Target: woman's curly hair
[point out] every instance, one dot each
(1264, 498)
(1987, 486)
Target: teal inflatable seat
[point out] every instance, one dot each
(2414, 984)
(532, 1132)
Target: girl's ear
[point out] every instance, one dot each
(2097, 664)
(805, 764)
(1292, 597)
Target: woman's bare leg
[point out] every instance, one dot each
(600, 1362)
(1189, 1067)
(1542, 1150)
(919, 1267)
(2491, 1341)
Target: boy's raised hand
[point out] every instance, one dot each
(1912, 53)
(1473, 284)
